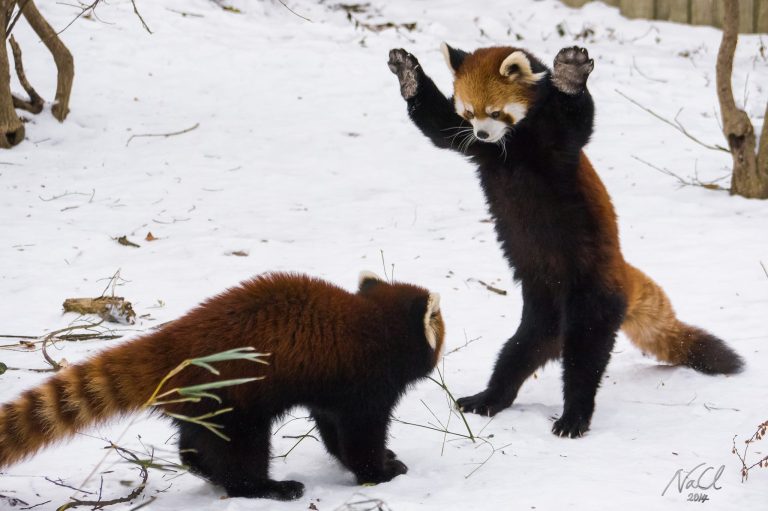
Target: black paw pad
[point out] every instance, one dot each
(406, 68)
(288, 490)
(484, 403)
(570, 426)
(571, 69)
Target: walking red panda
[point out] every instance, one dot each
(347, 357)
(555, 222)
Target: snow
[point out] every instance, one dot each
(304, 158)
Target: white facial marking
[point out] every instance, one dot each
(459, 104)
(516, 110)
(495, 129)
(367, 275)
(433, 306)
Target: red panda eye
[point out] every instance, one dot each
(496, 114)
(469, 115)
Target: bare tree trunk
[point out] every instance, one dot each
(762, 150)
(11, 127)
(747, 180)
(65, 64)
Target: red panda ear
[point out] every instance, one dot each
(517, 67)
(368, 280)
(432, 310)
(453, 57)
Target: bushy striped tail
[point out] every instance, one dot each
(115, 382)
(652, 325)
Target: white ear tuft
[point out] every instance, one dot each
(366, 275)
(517, 67)
(433, 306)
(447, 56)
(433, 303)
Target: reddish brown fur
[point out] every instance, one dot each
(650, 321)
(315, 332)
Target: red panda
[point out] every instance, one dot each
(347, 357)
(525, 125)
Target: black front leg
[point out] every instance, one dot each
(362, 441)
(429, 109)
(568, 116)
(536, 341)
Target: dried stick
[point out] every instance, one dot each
(712, 185)
(679, 127)
(136, 12)
(100, 504)
(294, 12)
(165, 135)
(489, 287)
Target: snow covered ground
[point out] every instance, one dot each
(305, 159)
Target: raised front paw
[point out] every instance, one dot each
(485, 403)
(406, 68)
(571, 425)
(571, 69)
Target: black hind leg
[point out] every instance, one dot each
(536, 341)
(328, 429)
(593, 316)
(240, 465)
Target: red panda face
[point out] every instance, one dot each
(493, 88)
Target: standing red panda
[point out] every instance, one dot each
(347, 357)
(525, 126)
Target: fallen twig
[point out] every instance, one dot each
(467, 342)
(679, 127)
(294, 12)
(489, 287)
(164, 135)
(138, 15)
(100, 504)
(640, 72)
(712, 185)
(301, 438)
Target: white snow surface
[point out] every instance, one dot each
(305, 159)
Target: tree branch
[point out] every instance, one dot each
(35, 103)
(679, 127)
(62, 57)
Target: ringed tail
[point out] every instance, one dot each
(651, 324)
(115, 382)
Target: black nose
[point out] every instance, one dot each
(482, 135)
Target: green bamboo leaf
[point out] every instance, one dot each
(209, 367)
(196, 389)
(245, 353)
(200, 395)
(174, 401)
